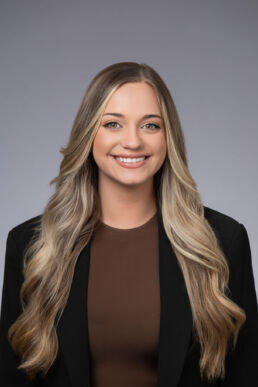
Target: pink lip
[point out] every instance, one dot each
(128, 156)
(130, 165)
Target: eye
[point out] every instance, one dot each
(111, 122)
(156, 126)
(110, 125)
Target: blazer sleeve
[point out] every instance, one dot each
(11, 308)
(242, 364)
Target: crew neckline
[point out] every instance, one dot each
(129, 229)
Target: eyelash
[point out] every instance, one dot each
(114, 122)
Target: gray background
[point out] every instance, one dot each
(206, 52)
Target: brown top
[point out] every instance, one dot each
(124, 305)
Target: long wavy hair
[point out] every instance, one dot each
(72, 214)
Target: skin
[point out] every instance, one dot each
(127, 195)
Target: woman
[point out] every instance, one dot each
(126, 278)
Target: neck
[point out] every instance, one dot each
(125, 206)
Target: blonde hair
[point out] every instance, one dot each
(73, 211)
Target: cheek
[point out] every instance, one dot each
(161, 147)
(101, 143)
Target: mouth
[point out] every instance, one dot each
(131, 157)
(130, 162)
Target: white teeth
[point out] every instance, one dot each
(130, 160)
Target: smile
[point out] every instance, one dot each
(130, 162)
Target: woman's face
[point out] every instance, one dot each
(124, 131)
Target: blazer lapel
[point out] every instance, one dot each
(175, 316)
(175, 319)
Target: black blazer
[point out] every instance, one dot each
(176, 365)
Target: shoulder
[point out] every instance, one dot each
(234, 241)
(219, 219)
(22, 232)
(225, 226)
(17, 240)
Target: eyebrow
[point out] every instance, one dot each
(121, 115)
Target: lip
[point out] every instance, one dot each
(130, 165)
(130, 156)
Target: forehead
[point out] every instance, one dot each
(137, 97)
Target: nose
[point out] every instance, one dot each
(131, 137)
